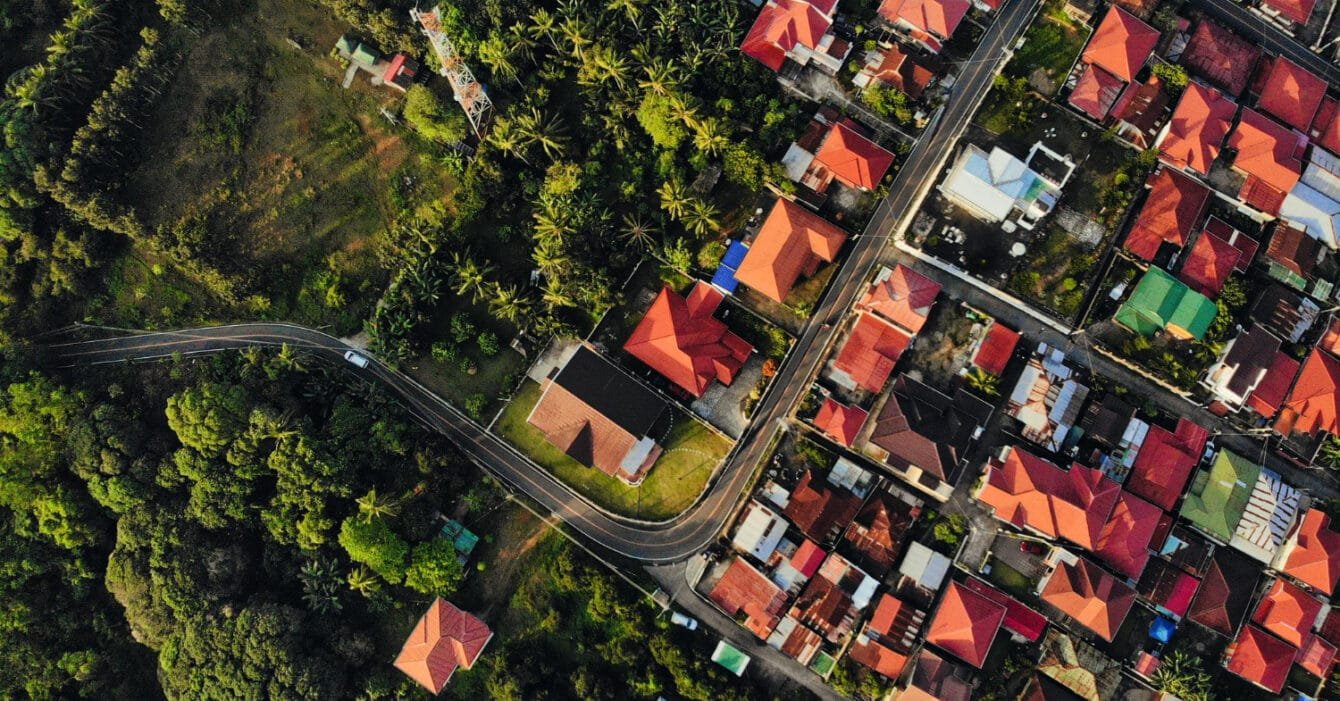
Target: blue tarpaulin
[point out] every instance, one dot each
(1162, 629)
(724, 279)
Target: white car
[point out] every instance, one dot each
(356, 358)
(680, 619)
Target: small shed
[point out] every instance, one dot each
(365, 54)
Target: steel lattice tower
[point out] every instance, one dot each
(468, 91)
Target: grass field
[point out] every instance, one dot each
(1050, 47)
(692, 451)
(288, 179)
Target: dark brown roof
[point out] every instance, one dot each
(877, 533)
(1294, 249)
(1106, 421)
(824, 607)
(1225, 592)
(1276, 309)
(921, 426)
(818, 510)
(1251, 354)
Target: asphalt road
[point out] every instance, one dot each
(1267, 36)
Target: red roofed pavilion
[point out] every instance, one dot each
(1165, 462)
(871, 351)
(444, 638)
(1290, 92)
(1209, 264)
(780, 26)
(1027, 491)
(1314, 402)
(1124, 541)
(1121, 44)
(839, 421)
(901, 295)
(1261, 658)
(852, 159)
(680, 339)
(1171, 211)
(965, 624)
(791, 243)
(1197, 129)
(1312, 555)
(1090, 596)
(1270, 156)
(996, 349)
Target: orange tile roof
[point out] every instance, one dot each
(878, 657)
(1124, 541)
(780, 26)
(997, 348)
(1270, 156)
(1090, 596)
(1288, 612)
(882, 646)
(1165, 462)
(1096, 92)
(1261, 658)
(1267, 397)
(1314, 402)
(1121, 44)
(1291, 93)
(680, 339)
(1297, 11)
(1325, 130)
(1028, 491)
(939, 17)
(1314, 553)
(444, 638)
(1197, 129)
(876, 533)
(871, 351)
(1317, 656)
(905, 297)
(900, 70)
(853, 159)
(1170, 212)
(790, 243)
(839, 421)
(1209, 264)
(965, 624)
(744, 589)
(1221, 56)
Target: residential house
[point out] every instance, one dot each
(888, 637)
(1311, 555)
(1194, 136)
(829, 604)
(1168, 587)
(901, 295)
(1290, 11)
(743, 591)
(759, 532)
(849, 157)
(869, 353)
(1325, 131)
(1221, 57)
(398, 71)
(891, 65)
(1171, 211)
(1273, 507)
(1138, 114)
(1260, 658)
(791, 243)
(1288, 612)
(876, 534)
(1295, 259)
(928, 23)
(1021, 621)
(1033, 494)
(1078, 671)
(1090, 597)
(995, 186)
(1047, 400)
(795, 640)
(1115, 54)
(1285, 313)
(839, 421)
(1165, 462)
(1288, 92)
(1313, 405)
(820, 510)
(1219, 495)
(995, 348)
(683, 341)
(924, 435)
(965, 624)
(444, 639)
(798, 31)
(1124, 541)
(922, 570)
(600, 416)
(1269, 158)
(1208, 264)
(1225, 593)
(1161, 302)
(934, 677)
(1243, 367)
(1313, 205)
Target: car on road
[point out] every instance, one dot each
(680, 619)
(1032, 547)
(356, 358)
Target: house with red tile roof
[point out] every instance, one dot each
(1208, 264)
(1138, 113)
(819, 509)
(1165, 462)
(1225, 593)
(1288, 612)
(839, 421)
(1260, 658)
(888, 637)
(795, 30)
(1312, 554)
(1019, 619)
(901, 295)
(1317, 657)
(876, 534)
(1032, 493)
(1121, 45)
(1196, 132)
(1289, 92)
(995, 349)
(965, 624)
(682, 340)
(1221, 57)
(929, 23)
(869, 354)
(1325, 131)
(1124, 541)
(1171, 211)
(1269, 396)
(743, 590)
(1244, 366)
(1296, 11)
(848, 157)
(1168, 587)
(1269, 157)
(1313, 405)
(893, 67)
(1096, 91)
(445, 639)
(1092, 598)
(791, 243)
(600, 416)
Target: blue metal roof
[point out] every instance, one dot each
(724, 278)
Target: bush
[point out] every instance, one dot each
(371, 542)
(888, 102)
(488, 344)
(462, 329)
(444, 352)
(433, 119)
(435, 569)
(475, 405)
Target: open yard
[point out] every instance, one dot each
(1051, 45)
(1059, 271)
(257, 153)
(692, 452)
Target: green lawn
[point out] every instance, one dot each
(1009, 579)
(1050, 46)
(692, 451)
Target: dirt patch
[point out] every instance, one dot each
(389, 150)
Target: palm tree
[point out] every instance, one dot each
(548, 133)
(496, 53)
(509, 303)
(372, 506)
(614, 123)
(710, 136)
(523, 45)
(1329, 454)
(608, 65)
(1180, 675)
(508, 137)
(675, 199)
(556, 295)
(983, 382)
(638, 233)
(662, 77)
(632, 9)
(577, 33)
(542, 25)
(288, 359)
(363, 581)
(550, 258)
(471, 277)
(701, 218)
(683, 109)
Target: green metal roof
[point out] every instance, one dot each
(823, 664)
(1218, 496)
(1160, 301)
(366, 54)
(464, 540)
(730, 657)
(346, 44)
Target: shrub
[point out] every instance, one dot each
(488, 344)
(371, 542)
(434, 569)
(444, 352)
(433, 119)
(475, 405)
(462, 329)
